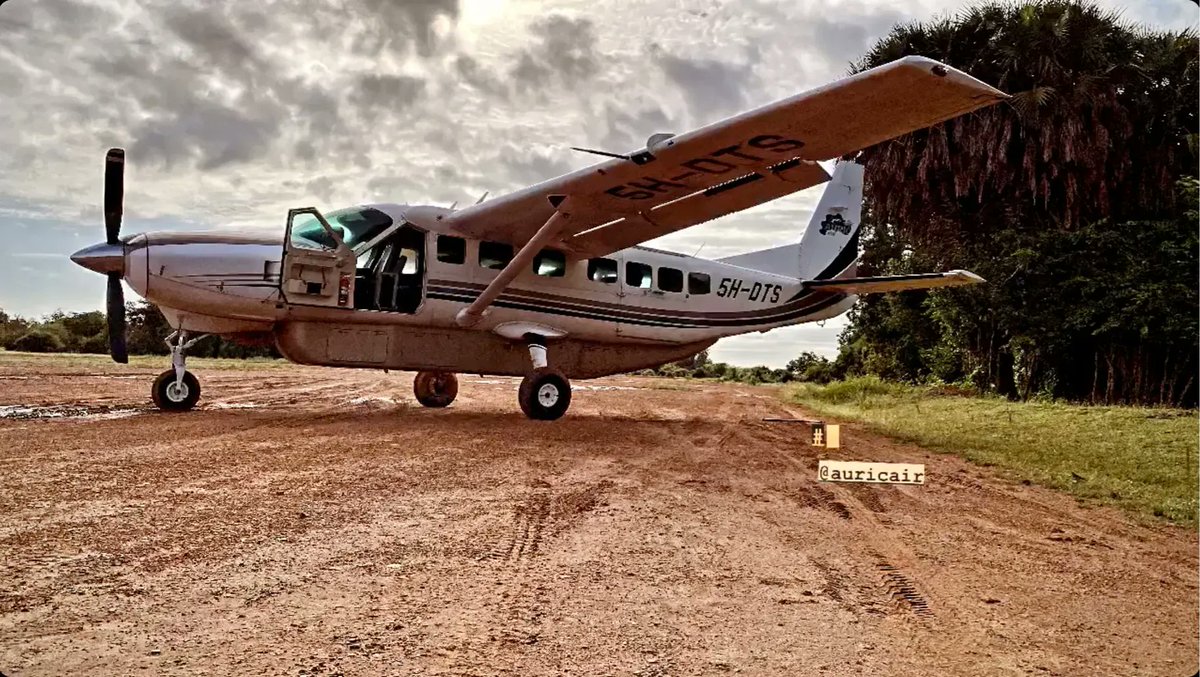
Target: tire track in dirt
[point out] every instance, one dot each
(882, 569)
(520, 576)
(332, 537)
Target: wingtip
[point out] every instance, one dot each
(941, 70)
(966, 276)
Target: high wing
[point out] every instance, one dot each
(681, 181)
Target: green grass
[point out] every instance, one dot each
(1140, 459)
(15, 361)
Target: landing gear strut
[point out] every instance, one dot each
(545, 393)
(435, 388)
(177, 389)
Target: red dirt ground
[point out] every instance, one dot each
(308, 521)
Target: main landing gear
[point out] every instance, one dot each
(545, 392)
(435, 389)
(177, 389)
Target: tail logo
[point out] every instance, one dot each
(833, 224)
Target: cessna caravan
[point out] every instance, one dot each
(550, 282)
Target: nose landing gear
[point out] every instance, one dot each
(545, 393)
(177, 389)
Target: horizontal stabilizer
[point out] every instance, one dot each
(886, 283)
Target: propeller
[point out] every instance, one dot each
(114, 206)
(114, 194)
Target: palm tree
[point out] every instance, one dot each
(1093, 129)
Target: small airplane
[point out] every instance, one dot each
(553, 274)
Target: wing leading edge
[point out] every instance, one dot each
(731, 165)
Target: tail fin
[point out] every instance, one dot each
(829, 246)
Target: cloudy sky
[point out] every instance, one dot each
(233, 112)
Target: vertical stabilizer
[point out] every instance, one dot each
(829, 246)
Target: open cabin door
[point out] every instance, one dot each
(318, 267)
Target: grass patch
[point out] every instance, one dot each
(1138, 458)
(13, 361)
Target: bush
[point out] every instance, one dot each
(817, 372)
(851, 390)
(95, 344)
(38, 341)
(673, 370)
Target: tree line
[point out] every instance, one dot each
(87, 332)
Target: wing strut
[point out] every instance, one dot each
(469, 316)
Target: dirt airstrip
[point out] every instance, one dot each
(310, 521)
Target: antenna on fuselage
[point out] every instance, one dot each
(482, 197)
(698, 249)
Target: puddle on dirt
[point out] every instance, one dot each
(23, 412)
(234, 405)
(372, 400)
(575, 387)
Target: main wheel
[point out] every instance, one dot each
(435, 388)
(171, 397)
(545, 394)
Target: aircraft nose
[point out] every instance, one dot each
(102, 258)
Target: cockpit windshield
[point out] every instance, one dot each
(355, 225)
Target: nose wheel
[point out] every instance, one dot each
(177, 389)
(545, 394)
(435, 389)
(171, 394)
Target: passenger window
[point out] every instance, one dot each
(602, 270)
(699, 283)
(451, 249)
(550, 263)
(494, 255)
(638, 275)
(670, 279)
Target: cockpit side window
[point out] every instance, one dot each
(355, 225)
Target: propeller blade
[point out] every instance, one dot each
(114, 194)
(116, 319)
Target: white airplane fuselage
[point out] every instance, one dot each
(231, 284)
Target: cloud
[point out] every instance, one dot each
(213, 134)
(378, 94)
(392, 24)
(468, 69)
(712, 88)
(564, 54)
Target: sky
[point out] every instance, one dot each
(232, 112)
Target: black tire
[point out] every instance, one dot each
(435, 389)
(165, 396)
(545, 394)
